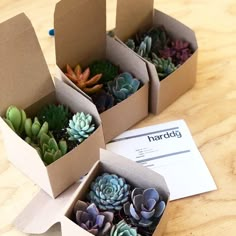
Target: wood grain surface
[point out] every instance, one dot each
(209, 110)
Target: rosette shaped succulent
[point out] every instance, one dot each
(130, 43)
(123, 229)
(109, 192)
(89, 218)
(123, 86)
(80, 126)
(145, 207)
(164, 67)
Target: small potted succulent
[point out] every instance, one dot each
(114, 207)
(158, 47)
(104, 83)
(53, 132)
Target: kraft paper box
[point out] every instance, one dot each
(26, 83)
(59, 210)
(129, 21)
(80, 38)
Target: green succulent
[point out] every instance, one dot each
(123, 229)
(131, 44)
(108, 70)
(15, 118)
(145, 46)
(57, 116)
(80, 126)
(164, 67)
(49, 150)
(109, 192)
(123, 86)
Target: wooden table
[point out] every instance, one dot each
(209, 110)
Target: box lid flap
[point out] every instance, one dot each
(131, 16)
(80, 31)
(24, 74)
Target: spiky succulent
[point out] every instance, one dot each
(109, 192)
(123, 229)
(15, 118)
(80, 126)
(131, 44)
(145, 207)
(50, 150)
(89, 218)
(123, 86)
(57, 116)
(164, 67)
(108, 70)
(102, 100)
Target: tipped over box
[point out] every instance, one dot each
(27, 84)
(80, 38)
(131, 20)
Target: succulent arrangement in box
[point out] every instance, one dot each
(113, 207)
(158, 47)
(104, 83)
(53, 132)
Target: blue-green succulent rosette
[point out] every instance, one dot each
(109, 192)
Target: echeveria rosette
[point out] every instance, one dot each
(123, 229)
(80, 126)
(109, 192)
(89, 218)
(123, 86)
(145, 207)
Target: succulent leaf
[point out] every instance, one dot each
(123, 229)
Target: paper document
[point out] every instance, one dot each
(168, 149)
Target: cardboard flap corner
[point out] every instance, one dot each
(24, 73)
(133, 16)
(80, 31)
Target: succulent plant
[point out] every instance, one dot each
(145, 207)
(49, 150)
(131, 44)
(15, 118)
(109, 192)
(102, 100)
(164, 67)
(84, 80)
(145, 47)
(123, 229)
(108, 70)
(89, 218)
(57, 116)
(123, 86)
(80, 126)
(34, 130)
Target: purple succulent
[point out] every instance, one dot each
(103, 100)
(145, 207)
(89, 218)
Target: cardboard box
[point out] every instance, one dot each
(80, 38)
(48, 213)
(130, 20)
(26, 83)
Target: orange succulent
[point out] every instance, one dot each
(82, 80)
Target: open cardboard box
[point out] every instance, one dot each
(80, 38)
(129, 21)
(51, 211)
(27, 83)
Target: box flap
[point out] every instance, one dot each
(24, 73)
(131, 16)
(80, 31)
(43, 212)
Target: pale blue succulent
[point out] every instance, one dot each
(80, 126)
(145, 47)
(123, 229)
(145, 207)
(109, 192)
(123, 86)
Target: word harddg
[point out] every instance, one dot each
(166, 135)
